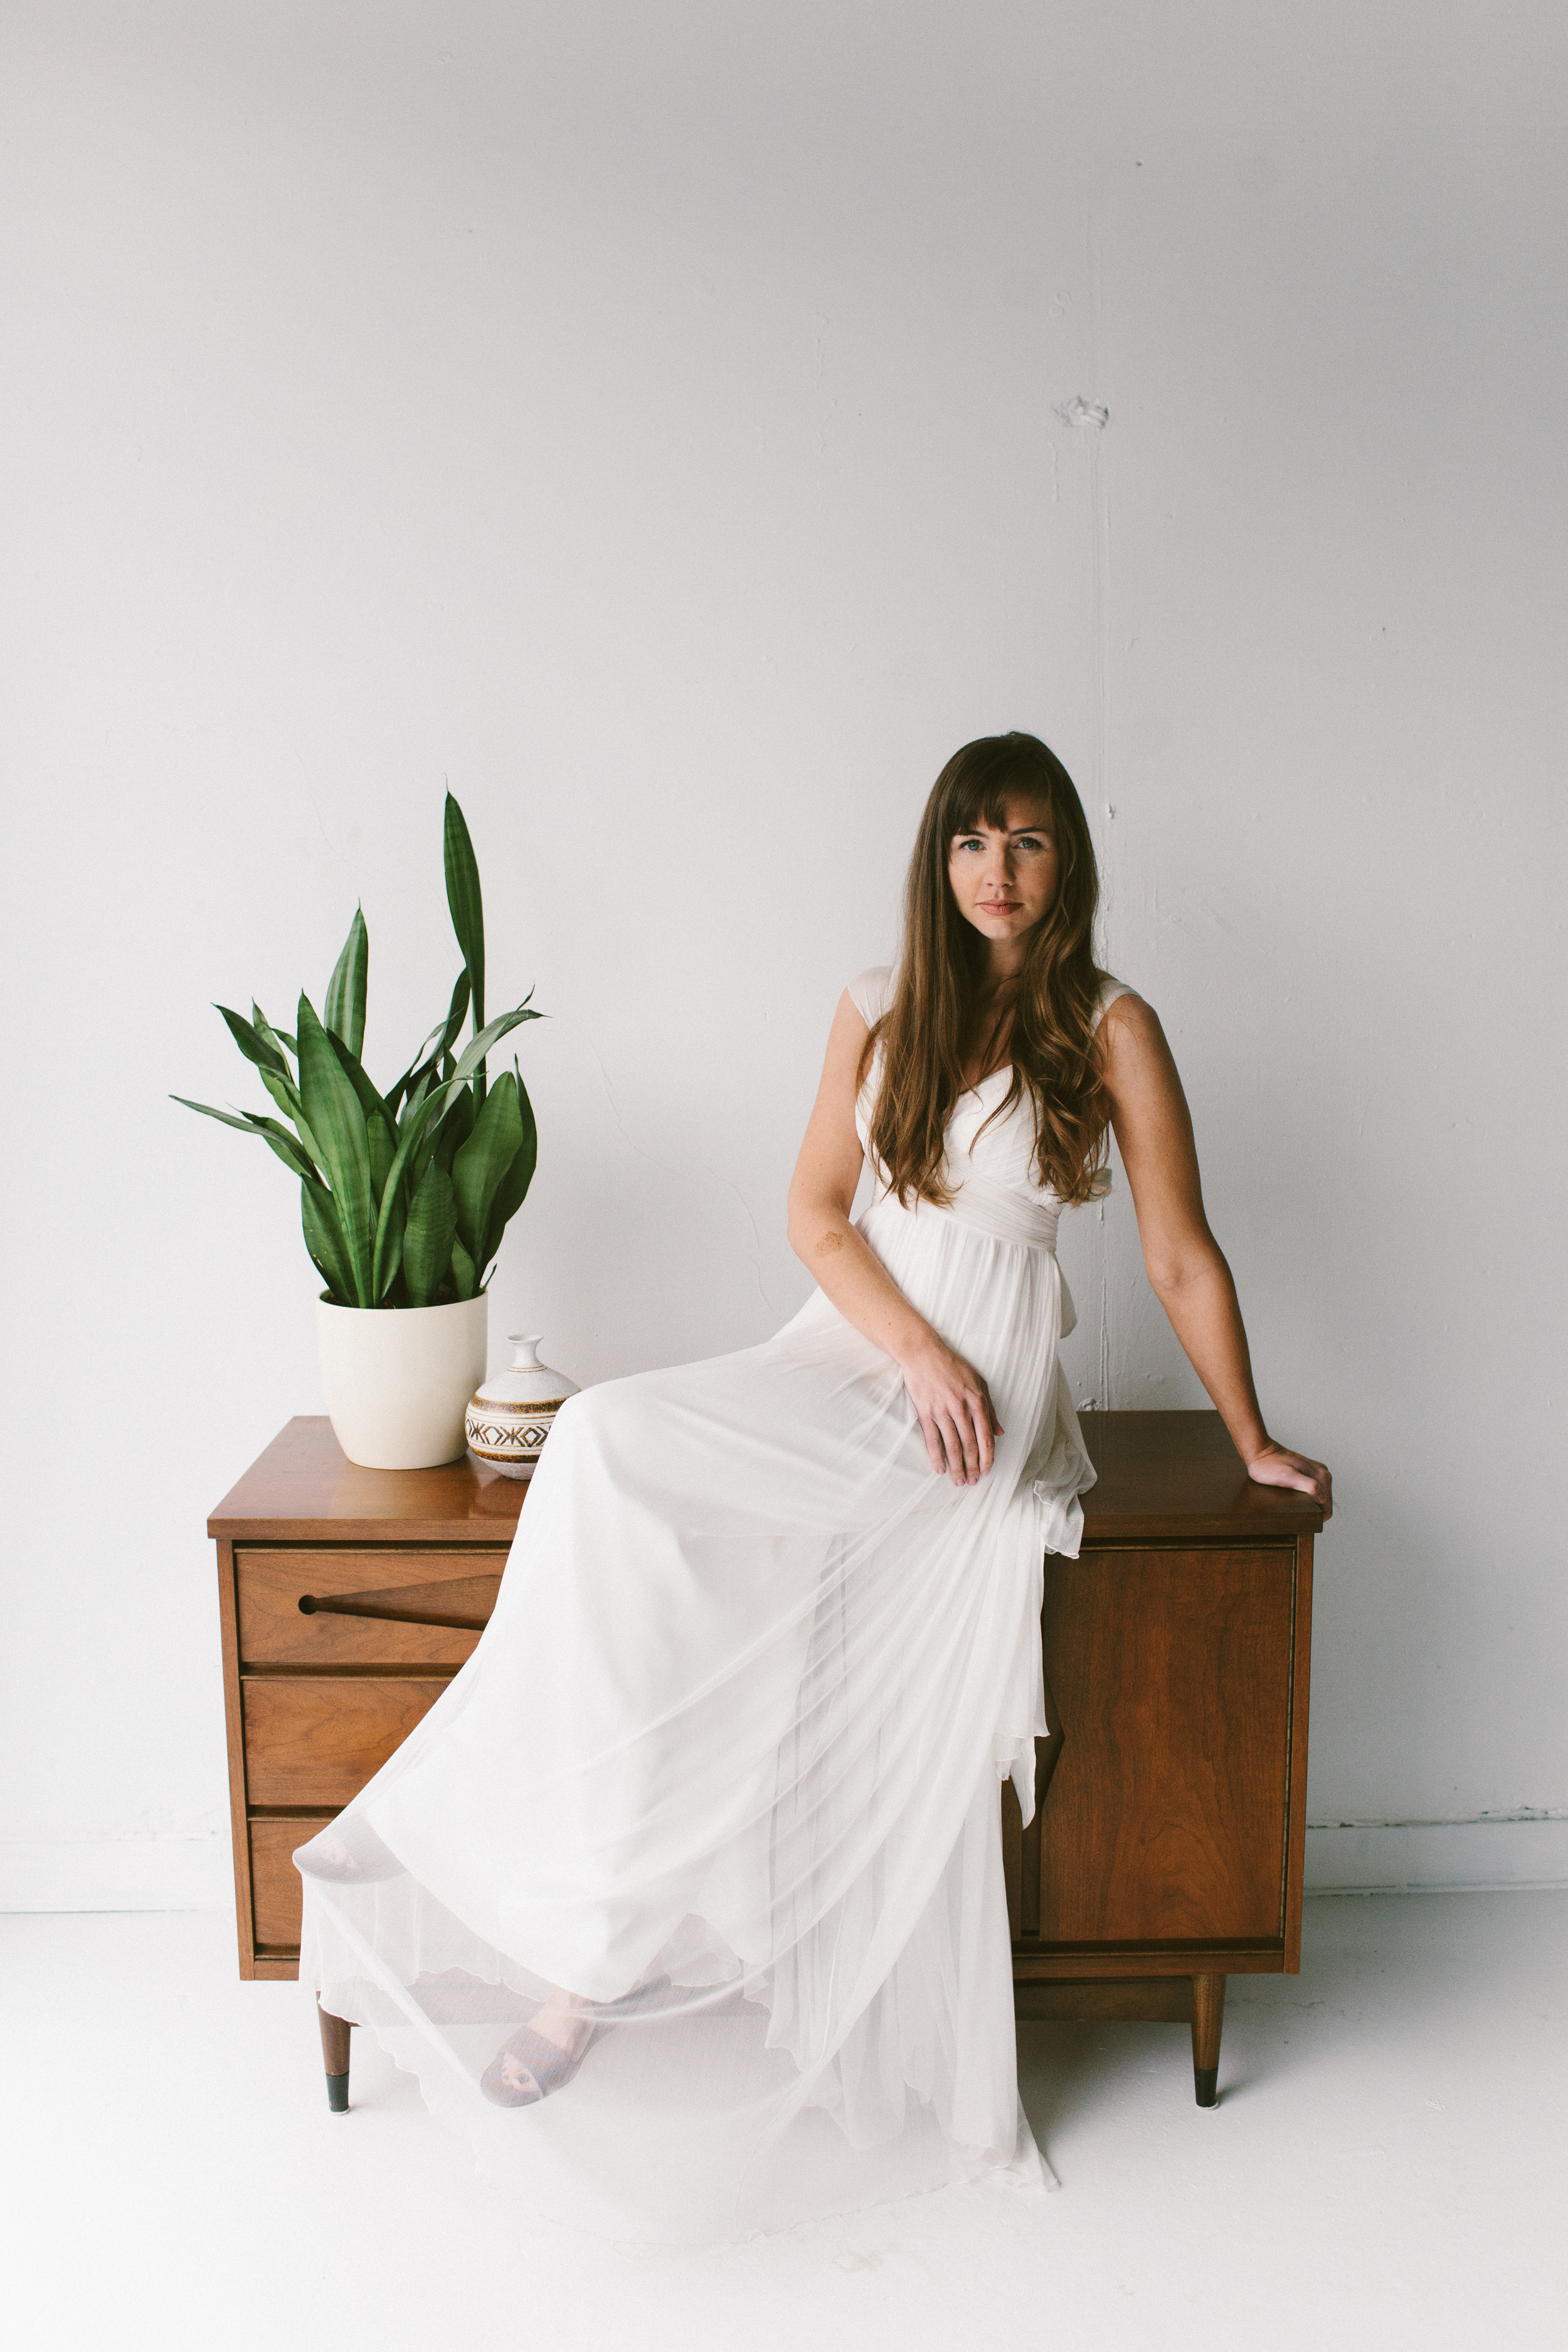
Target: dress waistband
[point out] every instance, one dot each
(1000, 1210)
(986, 1207)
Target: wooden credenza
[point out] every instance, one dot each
(1166, 1848)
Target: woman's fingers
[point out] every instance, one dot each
(944, 1446)
(952, 1434)
(959, 1424)
(1280, 1467)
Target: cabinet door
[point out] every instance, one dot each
(1164, 1821)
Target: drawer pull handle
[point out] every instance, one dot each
(455, 1604)
(1048, 1750)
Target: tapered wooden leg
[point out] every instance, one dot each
(1208, 2017)
(335, 2031)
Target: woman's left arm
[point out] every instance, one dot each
(1185, 1265)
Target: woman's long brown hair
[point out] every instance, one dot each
(932, 1022)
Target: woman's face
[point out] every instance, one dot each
(1004, 878)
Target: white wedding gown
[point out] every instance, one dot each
(732, 1744)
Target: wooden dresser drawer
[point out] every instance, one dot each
(316, 1739)
(275, 1889)
(363, 1606)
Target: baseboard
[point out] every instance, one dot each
(194, 1873)
(1436, 1857)
(139, 1874)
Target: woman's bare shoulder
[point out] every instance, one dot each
(1137, 1054)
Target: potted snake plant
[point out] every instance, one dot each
(404, 1196)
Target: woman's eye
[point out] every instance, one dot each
(1030, 841)
(970, 841)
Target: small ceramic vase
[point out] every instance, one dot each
(511, 1416)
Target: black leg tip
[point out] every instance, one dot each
(338, 2093)
(1206, 2083)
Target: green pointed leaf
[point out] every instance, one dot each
(483, 1160)
(247, 1122)
(416, 1094)
(252, 1044)
(275, 1037)
(446, 1031)
(425, 1151)
(466, 905)
(422, 1060)
(228, 1118)
(343, 1010)
(456, 1126)
(512, 1190)
(382, 1134)
(324, 1240)
(464, 1273)
(455, 1013)
(291, 1154)
(477, 1047)
(414, 1122)
(428, 1236)
(338, 1124)
(391, 1260)
(286, 1095)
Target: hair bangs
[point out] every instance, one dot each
(979, 793)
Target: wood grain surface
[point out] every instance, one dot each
(1177, 1474)
(303, 1489)
(275, 1884)
(391, 1597)
(1166, 1817)
(315, 1740)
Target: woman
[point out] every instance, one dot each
(687, 1896)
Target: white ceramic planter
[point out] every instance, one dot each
(397, 1379)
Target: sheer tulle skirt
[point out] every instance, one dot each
(731, 1746)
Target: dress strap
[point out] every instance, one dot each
(871, 993)
(1110, 988)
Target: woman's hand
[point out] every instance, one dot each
(957, 1419)
(1276, 1465)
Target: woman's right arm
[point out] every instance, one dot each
(950, 1396)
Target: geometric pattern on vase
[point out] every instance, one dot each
(508, 1436)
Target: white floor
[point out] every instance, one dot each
(1386, 2169)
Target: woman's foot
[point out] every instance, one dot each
(544, 2054)
(541, 2056)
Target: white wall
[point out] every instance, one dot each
(649, 418)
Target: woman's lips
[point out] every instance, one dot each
(999, 905)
